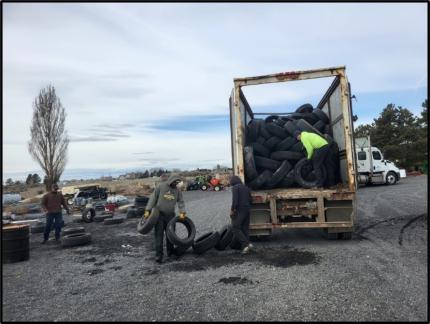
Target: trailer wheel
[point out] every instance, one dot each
(306, 108)
(391, 178)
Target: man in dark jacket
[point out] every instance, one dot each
(51, 204)
(165, 197)
(240, 212)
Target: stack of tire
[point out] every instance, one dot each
(75, 236)
(274, 158)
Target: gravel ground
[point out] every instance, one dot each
(296, 275)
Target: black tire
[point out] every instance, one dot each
(88, 215)
(112, 221)
(298, 147)
(321, 115)
(304, 173)
(279, 175)
(264, 132)
(286, 144)
(276, 130)
(271, 143)
(260, 181)
(250, 168)
(271, 118)
(286, 155)
(145, 225)
(306, 108)
(37, 228)
(290, 180)
(235, 244)
(305, 126)
(320, 126)
(131, 213)
(75, 239)
(266, 163)
(204, 187)
(391, 178)
(290, 127)
(253, 129)
(140, 201)
(281, 122)
(310, 118)
(180, 250)
(206, 242)
(104, 196)
(260, 150)
(176, 240)
(140, 211)
(260, 140)
(226, 236)
(327, 130)
(73, 230)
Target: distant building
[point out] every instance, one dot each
(109, 178)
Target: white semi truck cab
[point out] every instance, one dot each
(371, 166)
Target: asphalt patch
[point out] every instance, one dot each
(236, 281)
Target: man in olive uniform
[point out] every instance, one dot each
(165, 197)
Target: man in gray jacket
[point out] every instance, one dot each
(165, 197)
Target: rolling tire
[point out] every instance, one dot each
(286, 155)
(391, 178)
(279, 174)
(261, 180)
(75, 239)
(206, 242)
(320, 126)
(73, 230)
(260, 150)
(301, 170)
(112, 221)
(175, 239)
(276, 130)
(286, 144)
(226, 236)
(306, 108)
(271, 143)
(321, 115)
(88, 215)
(145, 225)
(250, 168)
(290, 127)
(266, 163)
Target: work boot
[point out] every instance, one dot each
(246, 250)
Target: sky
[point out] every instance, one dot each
(147, 85)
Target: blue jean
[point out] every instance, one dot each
(57, 219)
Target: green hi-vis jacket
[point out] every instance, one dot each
(312, 142)
(165, 198)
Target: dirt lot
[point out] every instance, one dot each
(297, 275)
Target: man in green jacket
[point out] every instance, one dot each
(318, 150)
(165, 197)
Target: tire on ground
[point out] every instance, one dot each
(260, 181)
(226, 236)
(145, 225)
(116, 220)
(88, 215)
(75, 239)
(206, 242)
(265, 163)
(73, 230)
(101, 218)
(175, 239)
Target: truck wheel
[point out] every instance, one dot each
(298, 147)
(204, 187)
(253, 129)
(70, 201)
(88, 215)
(290, 127)
(391, 178)
(305, 126)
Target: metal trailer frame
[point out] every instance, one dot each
(331, 209)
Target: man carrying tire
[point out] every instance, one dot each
(240, 213)
(51, 204)
(318, 150)
(165, 197)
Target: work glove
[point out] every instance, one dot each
(182, 216)
(146, 214)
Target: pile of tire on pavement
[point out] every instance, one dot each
(274, 158)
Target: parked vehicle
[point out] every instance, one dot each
(372, 167)
(94, 191)
(332, 209)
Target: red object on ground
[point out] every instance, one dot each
(110, 207)
(214, 182)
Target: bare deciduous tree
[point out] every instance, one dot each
(49, 140)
